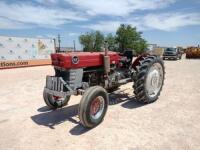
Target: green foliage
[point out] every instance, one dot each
(141, 46)
(127, 37)
(111, 42)
(92, 41)
(87, 41)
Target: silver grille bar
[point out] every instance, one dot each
(54, 83)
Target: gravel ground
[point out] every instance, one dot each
(172, 122)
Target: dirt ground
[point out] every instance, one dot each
(172, 122)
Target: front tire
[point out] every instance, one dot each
(149, 79)
(55, 102)
(93, 106)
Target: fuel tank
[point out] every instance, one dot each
(73, 60)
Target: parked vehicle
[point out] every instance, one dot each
(91, 74)
(172, 53)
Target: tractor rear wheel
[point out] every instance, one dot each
(93, 106)
(149, 79)
(55, 102)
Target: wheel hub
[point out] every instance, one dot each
(154, 79)
(96, 108)
(56, 97)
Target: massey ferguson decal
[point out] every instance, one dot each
(75, 59)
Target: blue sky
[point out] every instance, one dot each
(165, 22)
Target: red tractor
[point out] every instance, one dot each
(92, 74)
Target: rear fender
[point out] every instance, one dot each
(138, 59)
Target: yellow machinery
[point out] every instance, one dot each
(193, 52)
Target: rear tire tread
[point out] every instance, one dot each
(139, 81)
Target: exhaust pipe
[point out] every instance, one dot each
(106, 59)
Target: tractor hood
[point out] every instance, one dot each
(72, 60)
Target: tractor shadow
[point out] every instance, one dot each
(172, 59)
(127, 101)
(51, 118)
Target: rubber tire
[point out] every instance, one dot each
(48, 101)
(84, 106)
(141, 75)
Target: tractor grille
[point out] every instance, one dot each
(73, 77)
(54, 83)
(65, 80)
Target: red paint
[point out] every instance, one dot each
(95, 106)
(86, 59)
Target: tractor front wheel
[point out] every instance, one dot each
(93, 106)
(55, 102)
(149, 79)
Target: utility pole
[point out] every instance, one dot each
(74, 45)
(59, 42)
(54, 41)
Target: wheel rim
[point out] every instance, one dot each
(154, 80)
(56, 99)
(97, 107)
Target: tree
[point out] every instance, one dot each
(92, 41)
(99, 39)
(129, 38)
(111, 42)
(140, 46)
(87, 41)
